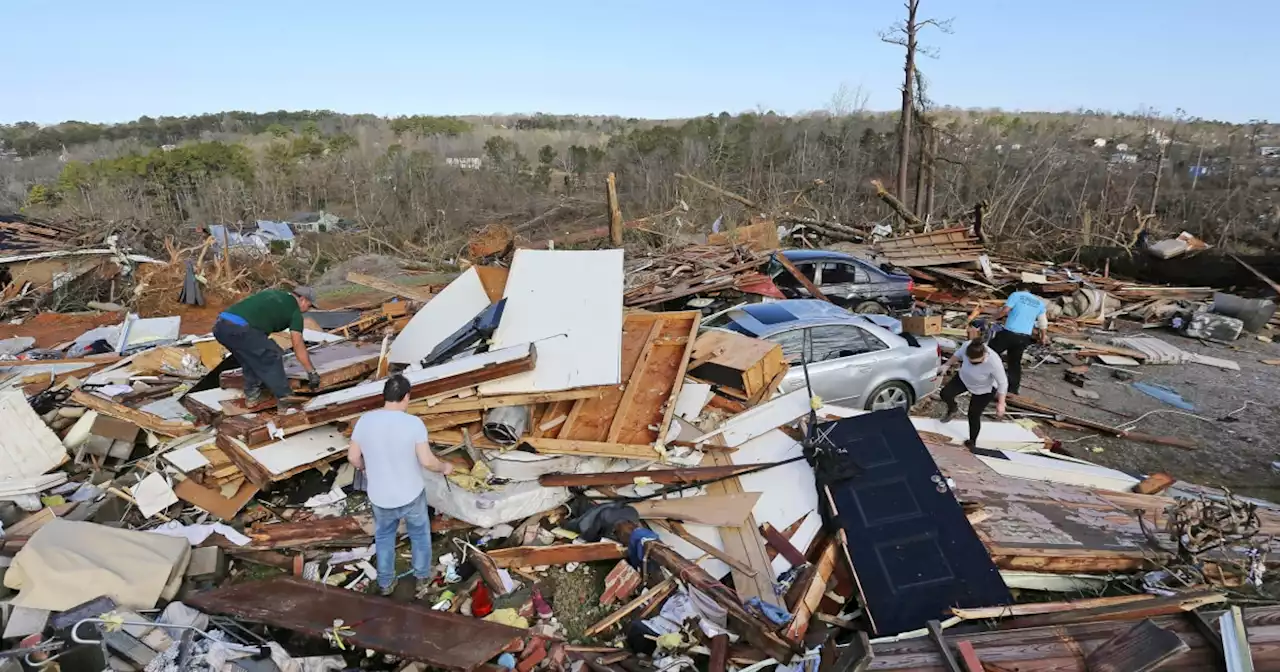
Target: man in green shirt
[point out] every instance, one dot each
(244, 329)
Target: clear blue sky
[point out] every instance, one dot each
(99, 60)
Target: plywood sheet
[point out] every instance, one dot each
(300, 449)
(27, 446)
(569, 303)
(447, 312)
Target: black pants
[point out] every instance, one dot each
(1015, 344)
(260, 358)
(977, 404)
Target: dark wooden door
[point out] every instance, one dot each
(913, 552)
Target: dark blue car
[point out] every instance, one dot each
(846, 280)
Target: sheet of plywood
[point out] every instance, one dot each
(654, 353)
(569, 303)
(446, 313)
(28, 447)
(300, 449)
(726, 510)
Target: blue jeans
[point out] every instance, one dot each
(418, 523)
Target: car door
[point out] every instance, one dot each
(845, 280)
(841, 358)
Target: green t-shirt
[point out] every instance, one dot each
(270, 311)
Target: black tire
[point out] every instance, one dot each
(898, 395)
(870, 308)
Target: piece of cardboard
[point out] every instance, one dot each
(212, 501)
(114, 428)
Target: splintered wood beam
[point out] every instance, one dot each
(547, 446)
(615, 212)
(678, 529)
(421, 407)
(755, 631)
(654, 595)
(147, 421)
(800, 277)
(782, 545)
(1011, 610)
(532, 556)
(813, 593)
(1160, 606)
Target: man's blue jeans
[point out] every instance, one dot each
(418, 523)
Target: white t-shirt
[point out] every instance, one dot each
(981, 378)
(388, 442)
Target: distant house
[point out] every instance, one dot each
(1122, 146)
(318, 222)
(1269, 152)
(464, 162)
(1122, 158)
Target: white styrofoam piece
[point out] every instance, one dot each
(28, 447)
(761, 419)
(446, 313)
(302, 448)
(569, 303)
(153, 495)
(693, 398)
(448, 369)
(1042, 468)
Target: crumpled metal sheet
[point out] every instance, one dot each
(408, 630)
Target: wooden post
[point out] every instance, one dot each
(804, 282)
(615, 212)
(751, 628)
(226, 252)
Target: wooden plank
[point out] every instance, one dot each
(678, 529)
(1142, 648)
(653, 595)
(800, 277)
(722, 510)
(415, 293)
(458, 374)
(148, 421)
(532, 556)
(743, 542)
(547, 446)
(632, 382)
(969, 657)
(1160, 606)
(1028, 609)
(421, 407)
(782, 545)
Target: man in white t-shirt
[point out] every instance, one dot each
(391, 447)
(982, 376)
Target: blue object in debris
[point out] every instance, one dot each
(1165, 394)
(776, 614)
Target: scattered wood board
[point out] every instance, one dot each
(532, 556)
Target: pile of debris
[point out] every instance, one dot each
(737, 525)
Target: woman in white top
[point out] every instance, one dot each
(981, 375)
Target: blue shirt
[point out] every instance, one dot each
(1024, 308)
(388, 441)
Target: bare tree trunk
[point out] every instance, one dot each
(1155, 187)
(929, 178)
(920, 161)
(908, 98)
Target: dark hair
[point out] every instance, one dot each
(396, 389)
(975, 349)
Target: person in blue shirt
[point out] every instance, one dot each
(1024, 315)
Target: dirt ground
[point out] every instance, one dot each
(1236, 451)
(50, 329)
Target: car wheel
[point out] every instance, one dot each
(870, 308)
(893, 394)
